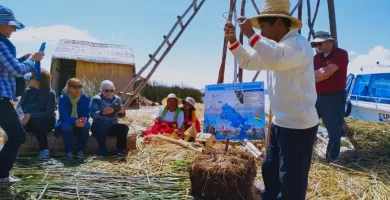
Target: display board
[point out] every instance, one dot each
(235, 110)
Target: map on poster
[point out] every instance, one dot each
(235, 110)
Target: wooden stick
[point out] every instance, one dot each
(300, 7)
(227, 144)
(221, 74)
(314, 18)
(179, 142)
(240, 70)
(332, 20)
(267, 139)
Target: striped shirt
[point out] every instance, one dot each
(10, 68)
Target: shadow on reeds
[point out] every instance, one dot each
(371, 154)
(373, 162)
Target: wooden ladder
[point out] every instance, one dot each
(167, 46)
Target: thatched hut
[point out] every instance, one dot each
(93, 62)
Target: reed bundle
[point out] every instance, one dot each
(362, 173)
(220, 174)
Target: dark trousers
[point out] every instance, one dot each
(118, 130)
(40, 128)
(331, 108)
(287, 163)
(9, 122)
(69, 130)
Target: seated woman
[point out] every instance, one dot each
(105, 110)
(169, 119)
(38, 104)
(73, 106)
(190, 117)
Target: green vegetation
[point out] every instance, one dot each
(155, 92)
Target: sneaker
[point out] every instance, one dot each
(80, 154)
(69, 156)
(44, 154)
(9, 180)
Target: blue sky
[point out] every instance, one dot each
(362, 27)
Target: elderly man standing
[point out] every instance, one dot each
(330, 66)
(288, 59)
(10, 67)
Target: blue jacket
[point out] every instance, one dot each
(98, 104)
(65, 109)
(39, 103)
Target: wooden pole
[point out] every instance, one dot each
(332, 20)
(221, 74)
(240, 70)
(314, 20)
(300, 7)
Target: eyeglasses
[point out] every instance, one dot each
(318, 44)
(108, 91)
(76, 86)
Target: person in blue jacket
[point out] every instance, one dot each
(10, 69)
(38, 104)
(73, 106)
(105, 110)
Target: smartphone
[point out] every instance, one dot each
(116, 107)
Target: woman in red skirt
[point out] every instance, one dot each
(169, 119)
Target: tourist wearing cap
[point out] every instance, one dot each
(73, 107)
(38, 104)
(288, 58)
(190, 117)
(105, 109)
(169, 119)
(330, 64)
(10, 68)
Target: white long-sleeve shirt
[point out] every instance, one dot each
(170, 117)
(290, 77)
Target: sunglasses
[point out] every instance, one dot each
(76, 86)
(108, 91)
(318, 44)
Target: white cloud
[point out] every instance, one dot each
(351, 53)
(29, 39)
(52, 34)
(368, 61)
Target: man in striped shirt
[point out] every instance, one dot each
(10, 68)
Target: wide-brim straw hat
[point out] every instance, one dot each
(321, 36)
(276, 8)
(171, 96)
(190, 101)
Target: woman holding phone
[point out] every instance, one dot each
(105, 109)
(73, 106)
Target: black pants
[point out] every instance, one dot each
(118, 130)
(287, 163)
(40, 127)
(10, 123)
(330, 109)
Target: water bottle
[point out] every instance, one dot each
(252, 149)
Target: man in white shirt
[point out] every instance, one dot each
(288, 59)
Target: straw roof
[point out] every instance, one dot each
(94, 52)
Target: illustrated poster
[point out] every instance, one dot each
(235, 110)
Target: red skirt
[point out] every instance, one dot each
(161, 127)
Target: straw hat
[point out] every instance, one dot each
(190, 101)
(170, 96)
(276, 8)
(321, 36)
